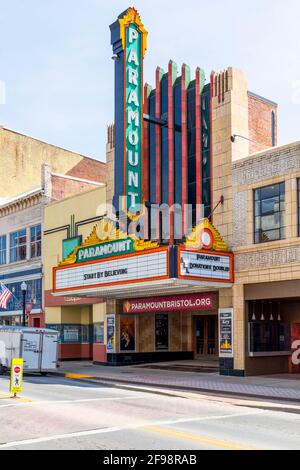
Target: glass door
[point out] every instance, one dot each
(207, 336)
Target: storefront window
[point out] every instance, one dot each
(161, 332)
(86, 333)
(269, 337)
(269, 207)
(99, 333)
(73, 334)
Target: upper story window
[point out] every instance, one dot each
(18, 246)
(35, 241)
(3, 249)
(269, 207)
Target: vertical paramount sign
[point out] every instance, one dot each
(129, 74)
(134, 118)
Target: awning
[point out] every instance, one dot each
(147, 289)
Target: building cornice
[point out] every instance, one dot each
(22, 202)
(279, 150)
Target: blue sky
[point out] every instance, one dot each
(55, 59)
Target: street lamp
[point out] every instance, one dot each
(24, 290)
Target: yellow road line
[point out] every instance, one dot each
(77, 376)
(200, 439)
(19, 399)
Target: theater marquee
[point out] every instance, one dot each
(137, 267)
(109, 257)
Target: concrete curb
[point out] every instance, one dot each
(224, 393)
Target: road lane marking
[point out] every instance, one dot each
(77, 376)
(67, 402)
(133, 427)
(210, 441)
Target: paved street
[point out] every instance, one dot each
(60, 413)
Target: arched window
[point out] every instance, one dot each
(273, 128)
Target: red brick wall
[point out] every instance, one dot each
(75, 351)
(64, 187)
(90, 169)
(99, 353)
(260, 122)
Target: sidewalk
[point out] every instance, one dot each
(276, 387)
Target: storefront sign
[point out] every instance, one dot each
(152, 265)
(110, 333)
(205, 265)
(226, 332)
(169, 304)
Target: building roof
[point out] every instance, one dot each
(51, 145)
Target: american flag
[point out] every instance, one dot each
(5, 295)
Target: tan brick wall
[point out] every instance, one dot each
(110, 159)
(175, 336)
(146, 333)
(229, 116)
(239, 327)
(23, 155)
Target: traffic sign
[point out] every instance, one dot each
(16, 376)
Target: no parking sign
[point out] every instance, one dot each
(16, 376)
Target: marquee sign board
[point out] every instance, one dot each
(136, 267)
(205, 265)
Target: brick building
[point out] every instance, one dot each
(33, 174)
(267, 270)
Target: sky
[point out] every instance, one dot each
(56, 72)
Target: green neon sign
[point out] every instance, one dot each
(105, 250)
(133, 118)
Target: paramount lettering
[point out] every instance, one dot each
(104, 250)
(134, 112)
